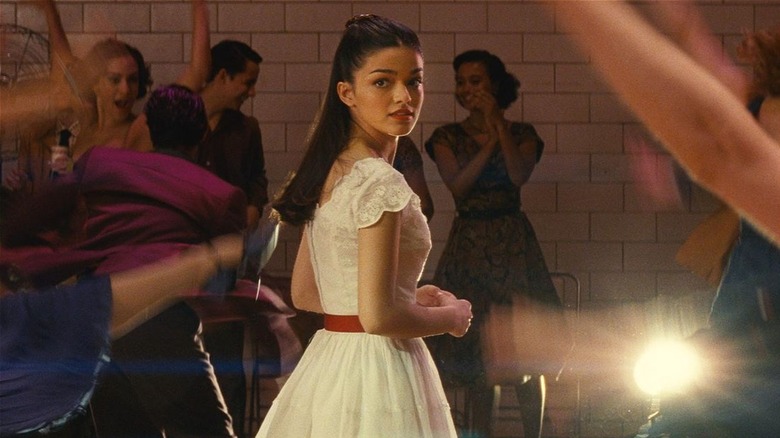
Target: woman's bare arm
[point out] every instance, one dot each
(697, 117)
(195, 74)
(688, 28)
(143, 292)
(61, 53)
(193, 77)
(459, 180)
(380, 309)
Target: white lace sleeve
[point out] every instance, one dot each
(381, 189)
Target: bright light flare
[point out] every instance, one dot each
(667, 367)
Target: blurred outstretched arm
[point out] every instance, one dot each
(193, 77)
(687, 26)
(699, 118)
(59, 46)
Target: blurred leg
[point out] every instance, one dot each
(225, 344)
(531, 398)
(480, 399)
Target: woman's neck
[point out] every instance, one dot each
(103, 132)
(359, 148)
(364, 145)
(106, 122)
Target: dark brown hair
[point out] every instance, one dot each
(762, 51)
(363, 36)
(505, 83)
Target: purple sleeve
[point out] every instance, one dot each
(48, 210)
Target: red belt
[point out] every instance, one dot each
(343, 323)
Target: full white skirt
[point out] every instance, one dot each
(350, 385)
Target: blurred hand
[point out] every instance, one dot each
(482, 101)
(229, 249)
(16, 180)
(485, 103)
(60, 161)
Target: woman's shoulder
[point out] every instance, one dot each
(358, 175)
(373, 169)
(521, 126)
(447, 134)
(376, 187)
(367, 176)
(523, 131)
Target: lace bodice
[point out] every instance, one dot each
(358, 201)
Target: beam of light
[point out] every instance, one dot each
(667, 367)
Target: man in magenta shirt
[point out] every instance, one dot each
(137, 208)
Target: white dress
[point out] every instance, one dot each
(350, 385)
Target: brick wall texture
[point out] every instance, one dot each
(595, 215)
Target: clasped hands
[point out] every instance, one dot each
(483, 102)
(432, 296)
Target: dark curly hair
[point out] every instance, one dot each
(505, 83)
(762, 51)
(363, 36)
(176, 118)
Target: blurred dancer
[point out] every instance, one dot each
(142, 207)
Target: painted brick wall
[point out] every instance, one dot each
(592, 215)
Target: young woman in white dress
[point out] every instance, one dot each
(364, 244)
